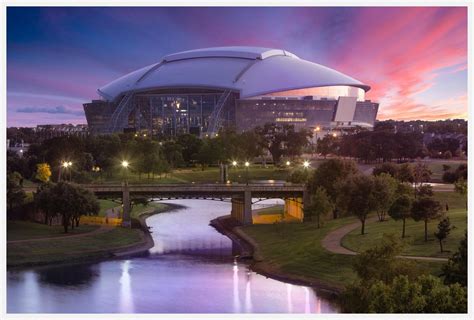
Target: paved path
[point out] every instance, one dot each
(101, 229)
(332, 241)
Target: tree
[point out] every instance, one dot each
(361, 197)
(43, 172)
(190, 146)
(327, 145)
(44, 201)
(282, 140)
(424, 191)
(401, 210)
(444, 227)
(405, 173)
(15, 194)
(460, 187)
(327, 176)
(320, 206)
(385, 187)
(455, 271)
(70, 202)
(421, 173)
(387, 168)
(298, 176)
(425, 209)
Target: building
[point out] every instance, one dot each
(48, 131)
(200, 91)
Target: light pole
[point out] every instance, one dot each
(234, 165)
(288, 163)
(306, 165)
(247, 164)
(65, 165)
(125, 167)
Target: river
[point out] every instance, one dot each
(190, 269)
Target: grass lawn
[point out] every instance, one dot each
(295, 248)
(65, 249)
(140, 209)
(24, 230)
(105, 205)
(436, 167)
(415, 231)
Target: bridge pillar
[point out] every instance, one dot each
(126, 220)
(248, 206)
(294, 208)
(242, 208)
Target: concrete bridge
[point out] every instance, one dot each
(241, 195)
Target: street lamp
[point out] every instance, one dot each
(125, 167)
(306, 164)
(247, 164)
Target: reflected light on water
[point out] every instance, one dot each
(248, 295)
(290, 301)
(236, 287)
(126, 299)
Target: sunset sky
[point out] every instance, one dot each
(415, 59)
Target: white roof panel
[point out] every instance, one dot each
(249, 70)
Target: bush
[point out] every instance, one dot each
(448, 155)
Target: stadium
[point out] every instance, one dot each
(200, 91)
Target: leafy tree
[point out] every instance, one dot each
(282, 140)
(405, 173)
(15, 194)
(421, 173)
(424, 191)
(401, 210)
(43, 172)
(460, 187)
(44, 201)
(173, 153)
(455, 271)
(444, 227)
(299, 176)
(327, 145)
(70, 202)
(384, 195)
(387, 168)
(320, 206)
(190, 146)
(327, 176)
(425, 209)
(360, 199)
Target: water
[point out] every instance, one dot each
(189, 270)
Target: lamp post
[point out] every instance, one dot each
(247, 164)
(306, 165)
(125, 167)
(234, 165)
(288, 164)
(65, 165)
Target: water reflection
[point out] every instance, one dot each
(126, 299)
(72, 275)
(190, 270)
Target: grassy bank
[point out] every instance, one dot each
(24, 230)
(71, 249)
(81, 244)
(295, 249)
(415, 244)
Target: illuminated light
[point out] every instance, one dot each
(144, 134)
(125, 164)
(317, 129)
(247, 163)
(136, 134)
(234, 163)
(288, 163)
(334, 134)
(217, 134)
(69, 163)
(21, 150)
(306, 164)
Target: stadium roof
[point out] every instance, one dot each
(252, 71)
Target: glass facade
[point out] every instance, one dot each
(170, 112)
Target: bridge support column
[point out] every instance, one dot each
(126, 220)
(242, 208)
(294, 208)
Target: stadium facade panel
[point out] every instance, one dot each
(201, 91)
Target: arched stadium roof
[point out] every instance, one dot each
(252, 71)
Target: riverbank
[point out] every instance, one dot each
(292, 252)
(95, 244)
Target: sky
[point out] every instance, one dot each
(414, 58)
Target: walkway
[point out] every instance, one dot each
(332, 241)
